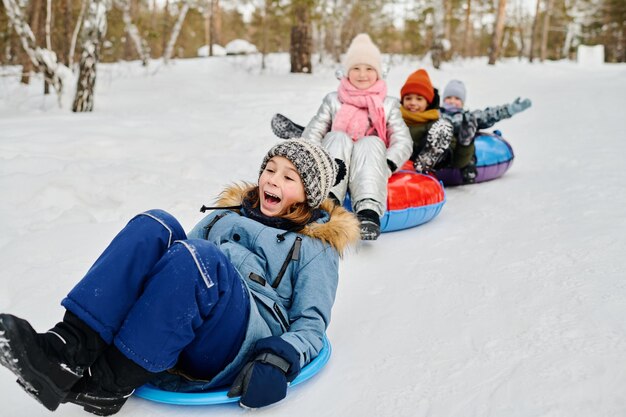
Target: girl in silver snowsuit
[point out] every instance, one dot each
(364, 128)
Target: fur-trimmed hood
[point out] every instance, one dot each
(341, 231)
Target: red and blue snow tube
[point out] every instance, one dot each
(412, 199)
(494, 156)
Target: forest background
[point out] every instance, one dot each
(446, 29)
(64, 40)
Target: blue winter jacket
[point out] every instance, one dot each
(292, 277)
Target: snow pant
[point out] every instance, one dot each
(462, 155)
(368, 173)
(164, 300)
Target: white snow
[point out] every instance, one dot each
(590, 56)
(218, 50)
(512, 302)
(240, 47)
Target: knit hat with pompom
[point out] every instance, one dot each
(363, 51)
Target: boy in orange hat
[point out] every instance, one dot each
(420, 111)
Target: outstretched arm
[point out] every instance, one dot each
(491, 115)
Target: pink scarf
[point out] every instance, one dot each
(362, 112)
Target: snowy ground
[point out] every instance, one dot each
(512, 302)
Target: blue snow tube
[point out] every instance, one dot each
(494, 156)
(218, 396)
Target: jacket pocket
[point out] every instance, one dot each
(281, 317)
(272, 312)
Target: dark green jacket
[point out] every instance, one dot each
(419, 133)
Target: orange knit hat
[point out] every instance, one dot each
(418, 83)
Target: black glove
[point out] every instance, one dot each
(263, 381)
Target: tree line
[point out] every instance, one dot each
(43, 35)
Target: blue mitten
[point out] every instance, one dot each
(518, 105)
(263, 381)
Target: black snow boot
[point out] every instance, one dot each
(109, 382)
(370, 224)
(48, 365)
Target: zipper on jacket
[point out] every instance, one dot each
(280, 316)
(208, 227)
(293, 255)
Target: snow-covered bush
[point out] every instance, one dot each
(590, 56)
(218, 50)
(240, 47)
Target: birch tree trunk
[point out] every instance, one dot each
(165, 26)
(131, 29)
(35, 10)
(79, 22)
(436, 48)
(206, 14)
(496, 39)
(573, 27)
(546, 31)
(94, 29)
(337, 19)
(522, 36)
(43, 59)
(46, 86)
(447, 21)
(65, 7)
(318, 36)
(48, 21)
(533, 34)
(214, 7)
(468, 29)
(264, 34)
(167, 55)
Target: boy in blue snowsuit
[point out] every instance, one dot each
(243, 300)
(466, 124)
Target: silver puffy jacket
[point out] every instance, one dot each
(365, 159)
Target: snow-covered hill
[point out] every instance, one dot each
(512, 302)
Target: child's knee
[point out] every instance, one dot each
(167, 221)
(372, 141)
(372, 146)
(211, 263)
(337, 136)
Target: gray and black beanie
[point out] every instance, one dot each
(318, 170)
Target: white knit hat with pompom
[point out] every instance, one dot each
(363, 51)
